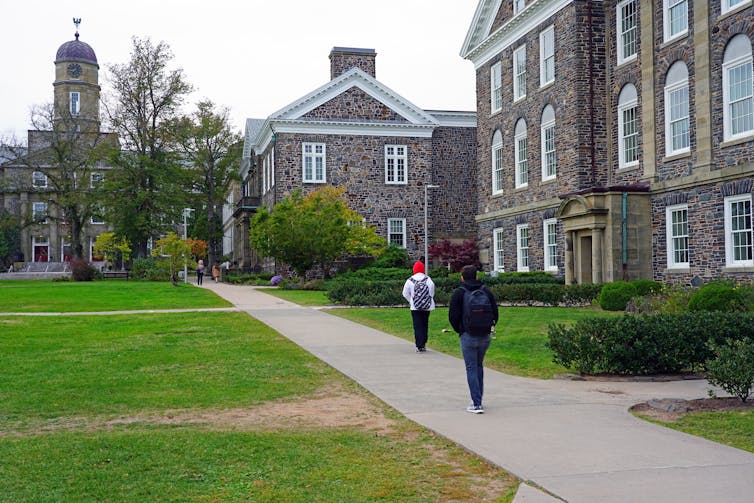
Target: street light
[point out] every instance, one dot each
(186, 214)
(426, 231)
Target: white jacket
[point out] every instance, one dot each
(408, 289)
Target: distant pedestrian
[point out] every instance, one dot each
(473, 313)
(215, 273)
(419, 291)
(199, 272)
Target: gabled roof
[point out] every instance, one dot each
(355, 78)
(481, 45)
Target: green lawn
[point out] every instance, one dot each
(107, 295)
(300, 297)
(63, 378)
(519, 347)
(734, 428)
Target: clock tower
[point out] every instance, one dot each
(77, 82)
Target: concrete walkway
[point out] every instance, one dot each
(568, 441)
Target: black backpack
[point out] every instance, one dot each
(422, 299)
(477, 312)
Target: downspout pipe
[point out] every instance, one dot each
(624, 233)
(591, 94)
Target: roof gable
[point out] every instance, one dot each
(366, 83)
(481, 25)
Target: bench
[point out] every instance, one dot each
(114, 274)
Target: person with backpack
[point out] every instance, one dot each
(419, 291)
(473, 314)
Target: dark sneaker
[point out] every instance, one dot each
(422, 350)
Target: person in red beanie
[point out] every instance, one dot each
(419, 291)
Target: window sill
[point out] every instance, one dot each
(496, 112)
(519, 99)
(497, 194)
(675, 157)
(626, 61)
(737, 141)
(549, 181)
(630, 167)
(675, 39)
(739, 268)
(547, 84)
(522, 188)
(734, 10)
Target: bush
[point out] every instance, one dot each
(732, 368)
(393, 256)
(150, 269)
(717, 297)
(82, 270)
(645, 344)
(615, 296)
(671, 299)
(367, 293)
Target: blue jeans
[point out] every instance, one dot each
(474, 347)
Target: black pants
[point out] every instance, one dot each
(421, 327)
(199, 276)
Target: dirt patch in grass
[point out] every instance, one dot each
(671, 411)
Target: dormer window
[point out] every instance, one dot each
(75, 103)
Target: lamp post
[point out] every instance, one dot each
(426, 230)
(186, 214)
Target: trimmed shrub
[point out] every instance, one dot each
(646, 344)
(672, 299)
(732, 368)
(393, 256)
(150, 269)
(367, 293)
(717, 297)
(647, 286)
(615, 296)
(581, 293)
(82, 270)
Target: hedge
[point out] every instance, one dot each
(661, 343)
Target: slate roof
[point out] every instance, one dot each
(76, 50)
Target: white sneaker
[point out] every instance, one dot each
(475, 409)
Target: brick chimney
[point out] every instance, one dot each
(343, 59)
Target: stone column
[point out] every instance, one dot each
(701, 78)
(597, 255)
(570, 237)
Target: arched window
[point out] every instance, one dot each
(677, 109)
(738, 90)
(521, 149)
(628, 127)
(497, 162)
(547, 140)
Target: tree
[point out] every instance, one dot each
(111, 248)
(145, 187)
(10, 243)
(66, 150)
(456, 255)
(198, 248)
(176, 250)
(212, 150)
(315, 229)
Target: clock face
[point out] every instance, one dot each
(74, 70)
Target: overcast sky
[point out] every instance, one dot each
(252, 56)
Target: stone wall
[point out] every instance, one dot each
(355, 104)
(343, 59)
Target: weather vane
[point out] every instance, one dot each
(77, 22)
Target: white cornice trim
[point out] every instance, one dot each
(353, 128)
(450, 118)
(365, 82)
(481, 24)
(525, 21)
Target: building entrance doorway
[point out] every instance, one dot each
(585, 259)
(41, 248)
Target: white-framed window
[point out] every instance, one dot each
(519, 73)
(675, 18)
(728, 5)
(547, 56)
(396, 162)
(677, 133)
(627, 30)
(396, 231)
(98, 215)
(39, 213)
(550, 233)
(547, 141)
(738, 89)
(518, 6)
(96, 179)
(677, 231)
(628, 127)
(498, 235)
(521, 153)
(38, 180)
(522, 247)
(739, 245)
(314, 155)
(497, 162)
(496, 87)
(75, 103)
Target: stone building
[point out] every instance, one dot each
(395, 159)
(28, 189)
(615, 138)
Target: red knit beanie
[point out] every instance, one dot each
(418, 267)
